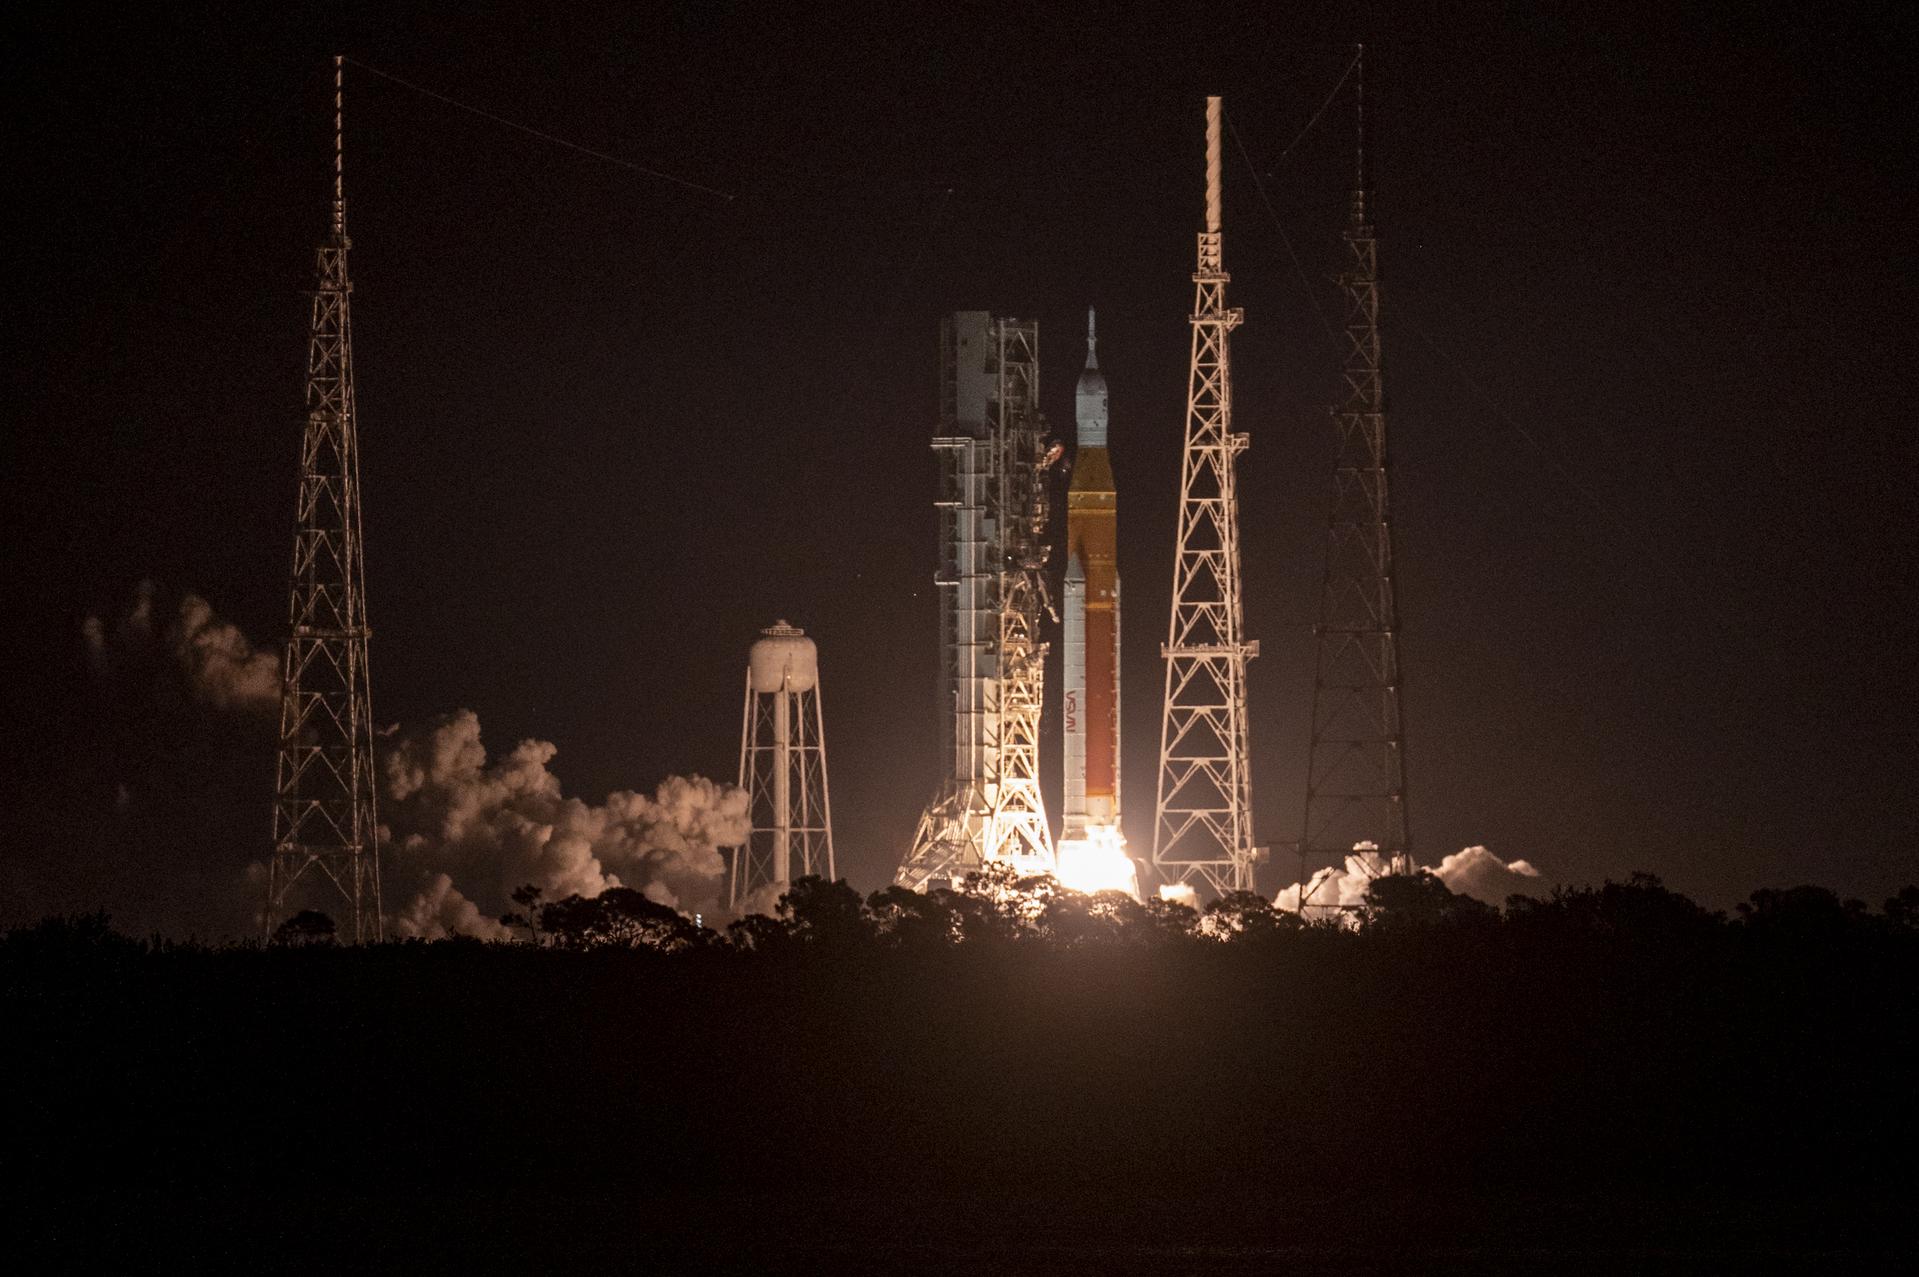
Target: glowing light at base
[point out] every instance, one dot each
(1098, 862)
(1179, 893)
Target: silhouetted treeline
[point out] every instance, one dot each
(1010, 1041)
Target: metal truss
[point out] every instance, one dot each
(1203, 823)
(994, 513)
(1356, 771)
(324, 819)
(783, 771)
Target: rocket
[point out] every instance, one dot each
(1090, 697)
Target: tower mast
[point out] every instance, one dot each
(1356, 768)
(1203, 822)
(324, 819)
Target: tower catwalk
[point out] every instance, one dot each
(1203, 822)
(782, 768)
(1355, 777)
(324, 818)
(993, 515)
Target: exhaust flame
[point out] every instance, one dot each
(1098, 862)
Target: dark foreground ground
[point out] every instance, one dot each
(1488, 1094)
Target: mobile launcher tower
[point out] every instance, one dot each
(994, 458)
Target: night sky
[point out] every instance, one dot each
(1647, 304)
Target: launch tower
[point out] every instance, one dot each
(782, 767)
(1203, 821)
(992, 528)
(324, 821)
(1356, 770)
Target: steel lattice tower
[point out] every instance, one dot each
(1356, 769)
(324, 817)
(782, 768)
(1203, 823)
(993, 554)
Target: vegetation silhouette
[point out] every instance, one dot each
(1598, 1063)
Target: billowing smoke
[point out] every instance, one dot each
(1478, 873)
(1181, 893)
(1474, 872)
(465, 832)
(219, 664)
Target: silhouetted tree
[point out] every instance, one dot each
(307, 927)
(757, 933)
(1804, 913)
(1641, 909)
(1243, 914)
(527, 918)
(908, 919)
(1169, 921)
(619, 917)
(1417, 899)
(1902, 911)
(825, 913)
(988, 907)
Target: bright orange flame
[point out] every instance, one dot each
(1098, 862)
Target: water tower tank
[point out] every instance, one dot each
(783, 657)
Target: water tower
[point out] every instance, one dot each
(782, 767)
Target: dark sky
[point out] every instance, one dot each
(1648, 339)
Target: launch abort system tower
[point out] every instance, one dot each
(782, 768)
(324, 821)
(992, 544)
(1203, 821)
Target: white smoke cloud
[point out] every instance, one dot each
(1474, 872)
(464, 833)
(1180, 893)
(219, 664)
(440, 911)
(765, 899)
(1478, 873)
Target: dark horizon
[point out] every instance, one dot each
(1640, 345)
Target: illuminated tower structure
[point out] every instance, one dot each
(782, 768)
(1091, 847)
(1356, 770)
(991, 586)
(325, 825)
(1203, 819)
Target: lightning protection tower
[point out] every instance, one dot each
(993, 510)
(1203, 822)
(324, 821)
(782, 767)
(1356, 768)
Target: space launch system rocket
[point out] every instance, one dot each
(1090, 697)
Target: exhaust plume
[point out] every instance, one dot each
(1474, 872)
(464, 832)
(217, 662)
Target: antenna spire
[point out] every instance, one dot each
(1092, 339)
(1359, 92)
(1212, 165)
(339, 151)
(1359, 168)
